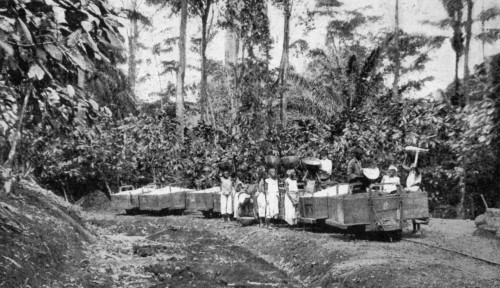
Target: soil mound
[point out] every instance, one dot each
(95, 201)
(40, 239)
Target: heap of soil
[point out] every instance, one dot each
(95, 201)
(37, 243)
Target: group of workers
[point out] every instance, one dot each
(261, 191)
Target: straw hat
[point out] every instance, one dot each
(290, 172)
(392, 167)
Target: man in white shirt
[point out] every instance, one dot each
(391, 181)
(326, 166)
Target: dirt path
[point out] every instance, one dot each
(189, 251)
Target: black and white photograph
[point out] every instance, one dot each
(249, 143)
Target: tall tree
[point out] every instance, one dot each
(181, 69)
(203, 8)
(133, 36)
(284, 61)
(468, 36)
(454, 8)
(397, 60)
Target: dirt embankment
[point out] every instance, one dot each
(228, 254)
(42, 246)
(41, 238)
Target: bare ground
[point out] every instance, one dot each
(189, 251)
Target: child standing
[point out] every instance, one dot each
(391, 181)
(272, 196)
(226, 199)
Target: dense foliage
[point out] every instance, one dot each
(73, 145)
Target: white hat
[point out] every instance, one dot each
(392, 167)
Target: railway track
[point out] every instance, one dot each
(453, 251)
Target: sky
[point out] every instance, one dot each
(412, 13)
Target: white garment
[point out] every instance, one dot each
(391, 180)
(226, 204)
(272, 209)
(290, 211)
(226, 186)
(413, 180)
(261, 204)
(292, 185)
(326, 166)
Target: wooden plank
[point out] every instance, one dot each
(121, 201)
(415, 205)
(355, 209)
(148, 202)
(313, 207)
(216, 197)
(191, 202)
(178, 201)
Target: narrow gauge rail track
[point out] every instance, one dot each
(453, 251)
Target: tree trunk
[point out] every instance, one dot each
(468, 36)
(482, 32)
(230, 57)
(9, 164)
(203, 84)
(284, 62)
(132, 47)
(458, 51)
(397, 60)
(181, 70)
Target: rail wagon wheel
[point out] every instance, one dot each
(207, 214)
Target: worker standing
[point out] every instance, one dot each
(272, 196)
(226, 199)
(325, 170)
(354, 170)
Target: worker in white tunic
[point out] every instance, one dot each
(238, 188)
(272, 196)
(261, 198)
(226, 199)
(325, 170)
(291, 198)
(391, 181)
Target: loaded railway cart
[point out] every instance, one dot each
(164, 200)
(358, 213)
(127, 197)
(206, 201)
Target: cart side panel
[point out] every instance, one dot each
(415, 205)
(121, 201)
(216, 199)
(335, 209)
(387, 208)
(148, 202)
(313, 207)
(134, 201)
(164, 201)
(172, 201)
(191, 204)
(355, 209)
(204, 201)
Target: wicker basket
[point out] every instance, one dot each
(311, 163)
(226, 165)
(272, 161)
(290, 162)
